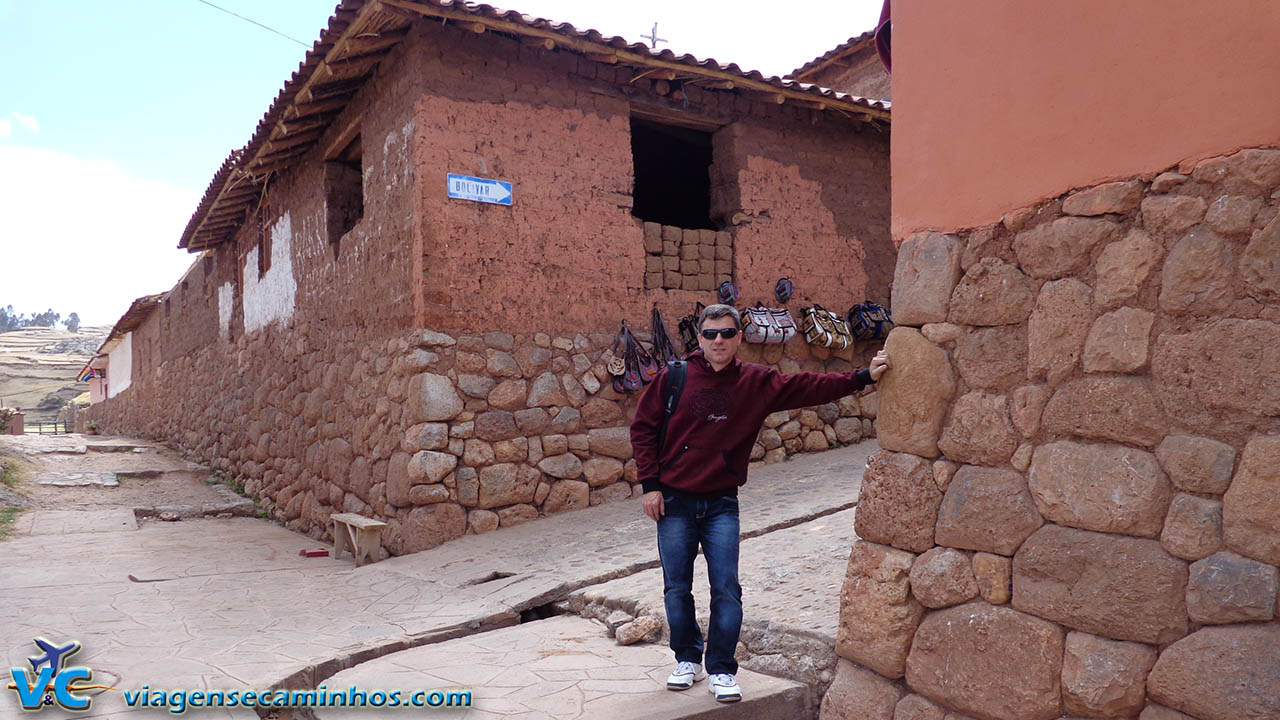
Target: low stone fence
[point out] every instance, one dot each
(437, 434)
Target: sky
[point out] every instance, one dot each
(114, 116)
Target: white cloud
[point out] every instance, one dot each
(27, 121)
(6, 127)
(83, 235)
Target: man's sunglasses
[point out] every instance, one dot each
(711, 333)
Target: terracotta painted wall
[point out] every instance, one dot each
(997, 106)
(568, 255)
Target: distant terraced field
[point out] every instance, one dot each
(38, 368)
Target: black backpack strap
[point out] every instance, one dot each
(673, 388)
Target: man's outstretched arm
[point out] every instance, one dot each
(788, 392)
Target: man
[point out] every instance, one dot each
(691, 485)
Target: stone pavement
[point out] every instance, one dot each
(227, 603)
(563, 668)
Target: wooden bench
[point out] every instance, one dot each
(357, 533)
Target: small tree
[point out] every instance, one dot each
(72, 322)
(48, 318)
(9, 320)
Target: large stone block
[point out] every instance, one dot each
(1114, 197)
(1260, 264)
(1197, 275)
(427, 526)
(915, 396)
(613, 442)
(1108, 488)
(1193, 528)
(432, 398)
(1172, 214)
(506, 484)
(927, 270)
(1122, 587)
(1221, 673)
(1251, 507)
(992, 293)
(1104, 678)
(992, 662)
(859, 694)
(1120, 409)
(1197, 464)
(943, 577)
(1118, 341)
(1226, 588)
(898, 503)
(567, 495)
(496, 425)
(1251, 172)
(992, 358)
(979, 430)
(508, 395)
(986, 509)
(1057, 329)
(1123, 268)
(1053, 250)
(566, 466)
(546, 391)
(878, 615)
(428, 466)
(1232, 214)
(1209, 377)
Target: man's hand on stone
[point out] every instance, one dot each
(654, 506)
(879, 364)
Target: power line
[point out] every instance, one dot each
(255, 22)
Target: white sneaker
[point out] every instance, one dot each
(685, 675)
(725, 688)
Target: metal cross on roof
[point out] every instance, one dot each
(653, 38)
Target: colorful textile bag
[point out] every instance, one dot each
(824, 328)
(765, 325)
(689, 328)
(869, 321)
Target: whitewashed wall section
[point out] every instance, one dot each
(226, 303)
(270, 298)
(120, 366)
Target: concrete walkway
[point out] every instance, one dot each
(212, 603)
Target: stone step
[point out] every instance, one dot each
(562, 668)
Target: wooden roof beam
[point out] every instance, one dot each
(625, 55)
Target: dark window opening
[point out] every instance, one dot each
(264, 244)
(344, 193)
(673, 175)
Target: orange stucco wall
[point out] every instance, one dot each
(1001, 103)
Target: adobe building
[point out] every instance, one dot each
(352, 338)
(1077, 509)
(852, 67)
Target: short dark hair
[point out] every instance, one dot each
(711, 312)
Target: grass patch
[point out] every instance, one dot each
(7, 516)
(12, 471)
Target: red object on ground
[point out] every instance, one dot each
(313, 552)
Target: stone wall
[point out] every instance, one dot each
(437, 434)
(1076, 511)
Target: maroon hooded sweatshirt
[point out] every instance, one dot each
(709, 438)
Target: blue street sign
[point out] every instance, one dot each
(464, 187)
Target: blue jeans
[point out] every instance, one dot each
(712, 523)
